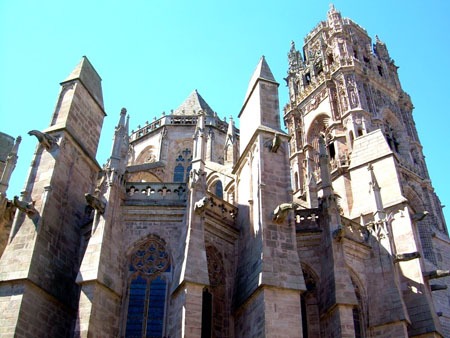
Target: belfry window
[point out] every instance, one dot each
(308, 78)
(147, 292)
(332, 150)
(318, 68)
(380, 70)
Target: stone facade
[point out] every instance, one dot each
(194, 228)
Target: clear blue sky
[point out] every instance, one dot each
(152, 54)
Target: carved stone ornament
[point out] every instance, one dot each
(200, 205)
(281, 211)
(95, 203)
(46, 140)
(25, 207)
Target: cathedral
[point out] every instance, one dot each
(324, 226)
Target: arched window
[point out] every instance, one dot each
(358, 312)
(216, 307)
(147, 293)
(183, 166)
(178, 173)
(309, 305)
(219, 189)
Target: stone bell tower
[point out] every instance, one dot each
(346, 91)
(41, 260)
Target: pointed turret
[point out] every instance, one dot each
(10, 164)
(379, 214)
(119, 151)
(198, 158)
(261, 104)
(79, 109)
(231, 149)
(86, 73)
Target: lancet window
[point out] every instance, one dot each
(149, 276)
(182, 166)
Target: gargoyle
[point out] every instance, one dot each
(25, 207)
(406, 256)
(436, 274)
(46, 140)
(419, 216)
(282, 210)
(200, 205)
(273, 144)
(95, 203)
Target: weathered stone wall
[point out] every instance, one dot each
(28, 311)
(103, 319)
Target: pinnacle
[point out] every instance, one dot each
(87, 74)
(262, 72)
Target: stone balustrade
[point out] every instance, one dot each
(156, 191)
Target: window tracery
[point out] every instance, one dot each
(182, 166)
(149, 266)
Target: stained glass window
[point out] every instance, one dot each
(219, 189)
(147, 295)
(178, 173)
(183, 166)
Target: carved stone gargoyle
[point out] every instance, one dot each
(25, 207)
(436, 274)
(273, 144)
(46, 140)
(95, 203)
(282, 210)
(406, 256)
(200, 205)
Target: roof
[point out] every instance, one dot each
(192, 105)
(87, 74)
(262, 72)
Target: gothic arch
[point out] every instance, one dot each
(216, 293)
(318, 128)
(309, 302)
(394, 132)
(414, 199)
(215, 185)
(360, 313)
(147, 155)
(148, 278)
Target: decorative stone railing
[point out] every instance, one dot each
(156, 191)
(307, 219)
(177, 120)
(220, 208)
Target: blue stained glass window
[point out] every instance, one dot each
(147, 291)
(188, 170)
(219, 189)
(178, 174)
(155, 317)
(136, 307)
